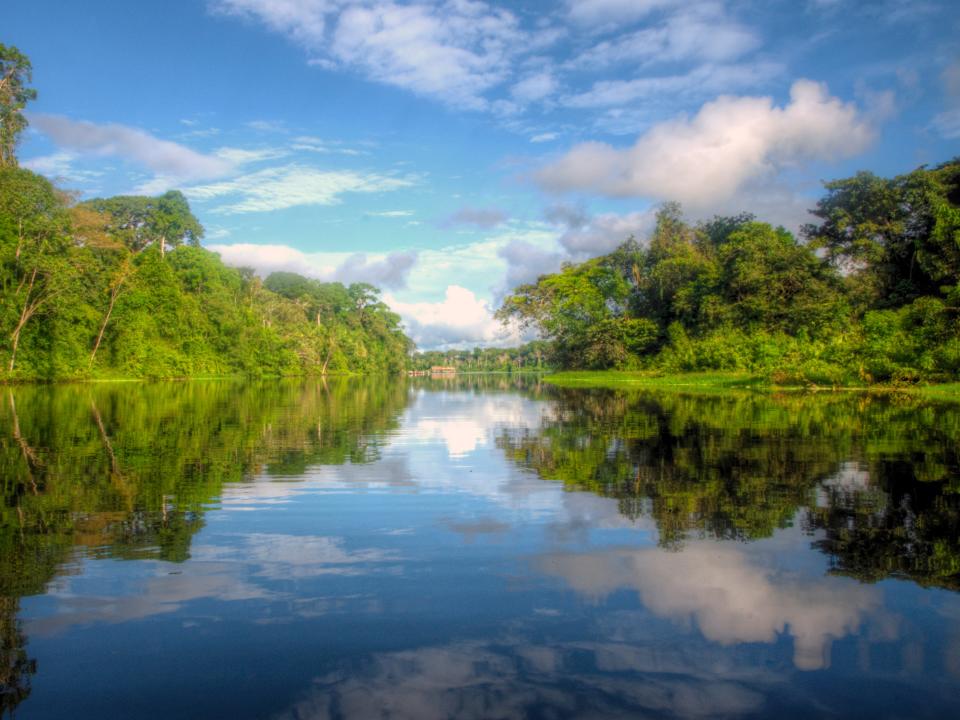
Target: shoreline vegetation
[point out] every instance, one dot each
(119, 288)
(714, 382)
(868, 296)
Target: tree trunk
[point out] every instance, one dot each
(323, 370)
(103, 326)
(25, 314)
(29, 455)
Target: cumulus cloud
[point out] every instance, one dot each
(163, 157)
(291, 185)
(479, 217)
(389, 271)
(461, 319)
(709, 157)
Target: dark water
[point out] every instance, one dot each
(477, 548)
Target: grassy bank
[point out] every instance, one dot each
(714, 381)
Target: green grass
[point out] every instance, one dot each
(627, 379)
(952, 389)
(717, 381)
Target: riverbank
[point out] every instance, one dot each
(718, 381)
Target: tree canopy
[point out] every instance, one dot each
(15, 74)
(871, 292)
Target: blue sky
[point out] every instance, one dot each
(449, 150)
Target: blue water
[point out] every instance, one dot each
(449, 575)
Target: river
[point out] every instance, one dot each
(476, 547)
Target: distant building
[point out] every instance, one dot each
(442, 370)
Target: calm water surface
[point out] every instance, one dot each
(477, 547)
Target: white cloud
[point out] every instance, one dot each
(391, 213)
(453, 51)
(704, 80)
(291, 185)
(303, 20)
(308, 143)
(461, 319)
(544, 137)
(242, 156)
(534, 87)
(384, 270)
(166, 158)
(60, 165)
(701, 32)
(710, 157)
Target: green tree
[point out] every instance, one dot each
(33, 238)
(144, 221)
(15, 73)
(774, 282)
(896, 239)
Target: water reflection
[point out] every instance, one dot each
(879, 475)
(484, 546)
(509, 680)
(731, 598)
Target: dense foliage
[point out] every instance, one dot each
(873, 293)
(121, 287)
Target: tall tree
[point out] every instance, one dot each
(143, 221)
(896, 239)
(33, 225)
(15, 73)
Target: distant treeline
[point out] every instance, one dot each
(871, 293)
(529, 357)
